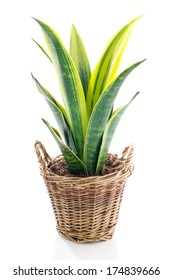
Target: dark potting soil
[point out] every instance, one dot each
(60, 167)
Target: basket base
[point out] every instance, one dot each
(88, 238)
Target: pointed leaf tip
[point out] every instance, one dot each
(138, 17)
(32, 75)
(42, 49)
(35, 18)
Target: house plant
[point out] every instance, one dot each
(86, 183)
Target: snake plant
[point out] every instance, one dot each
(87, 119)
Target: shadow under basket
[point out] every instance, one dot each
(86, 208)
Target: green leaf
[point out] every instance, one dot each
(80, 58)
(43, 50)
(48, 95)
(109, 132)
(59, 114)
(75, 165)
(99, 118)
(70, 84)
(108, 65)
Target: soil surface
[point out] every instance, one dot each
(60, 167)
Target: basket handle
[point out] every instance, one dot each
(127, 155)
(43, 157)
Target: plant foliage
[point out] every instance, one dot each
(87, 119)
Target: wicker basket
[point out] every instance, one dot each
(86, 208)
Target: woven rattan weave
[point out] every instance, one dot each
(86, 208)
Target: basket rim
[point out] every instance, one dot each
(122, 174)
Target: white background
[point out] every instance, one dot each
(27, 228)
